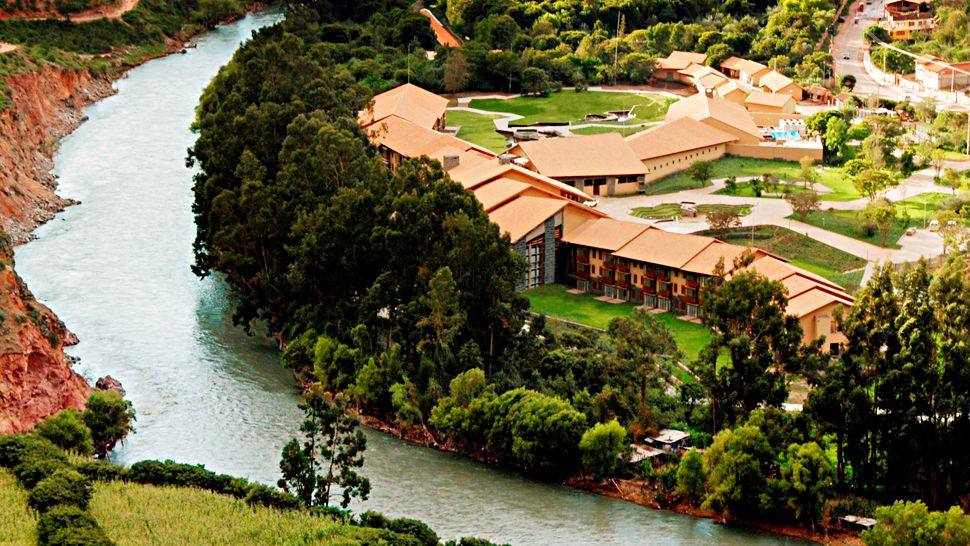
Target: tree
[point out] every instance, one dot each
(938, 158)
(333, 448)
(456, 71)
(601, 448)
(535, 81)
(880, 215)
(692, 476)
(717, 53)
(442, 317)
(952, 179)
(807, 171)
(738, 462)
(110, 418)
(638, 67)
(836, 136)
(68, 431)
(407, 406)
(806, 481)
(912, 524)
(724, 219)
(847, 81)
(803, 202)
(700, 172)
(952, 229)
(870, 182)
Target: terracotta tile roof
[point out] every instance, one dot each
(444, 36)
(605, 233)
(712, 80)
(678, 60)
(412, 140)
(472, 174)
(605, 154)
(408, 102)
(701, 107)
(942, 66)
(498, 192)
(695, 70)
(743, 65)
(807, 292)
(811, 301)
(681, 135)
(760, 98)
(724, 90)
(523, 214)
(706, 260)
(775, 81)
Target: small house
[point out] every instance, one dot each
(669, 440)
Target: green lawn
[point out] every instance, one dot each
(18, 522)
(923, 207)
(624, 131)
(744, 167)
(846, 222)
(670, 210)
(477, 129)
(744, 189)
(555, 301)
(570, 106)
(801, 250)
(955, 156)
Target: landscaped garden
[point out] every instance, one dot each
(672, 210)
(572, 106)
(477, 129)
(740, 167)
(598, 130)
(801, 250)
(848, 223)
(555, 301)
(746, 189)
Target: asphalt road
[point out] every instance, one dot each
(848, 43)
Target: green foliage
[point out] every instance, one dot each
(738, 463)
(67, 431)
(601, 448)
(37, 467)
(110, 418)
(65, 525)
(806, 481)
(911, 523)
(18, 448)
(66, 486)
(692, 476)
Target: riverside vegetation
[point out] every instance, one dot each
(394, 290)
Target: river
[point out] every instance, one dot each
(116, 269)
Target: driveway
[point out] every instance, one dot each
(848, 42)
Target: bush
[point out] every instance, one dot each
(64, 486)
(101, 471)
(414, 528)
(15, 448)
(263, 495)
(67, 431)
(69, 525)
(109, 417)
(187, 475)
(36, 468)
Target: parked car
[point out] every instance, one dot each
(591, 203)
(845, 57)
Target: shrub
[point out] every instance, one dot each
(414, 528)
(64, 486)
(16, 447)
(101, 471)
(110, 418)
(67, 431)
(263, 495)
(187, 475)
(69, 525)
(36, 468)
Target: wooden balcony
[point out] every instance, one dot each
(692, 300)
(649, 289)
(609, 263)
(665, 276)
(582, 258)
(692, 284)
(650, 274)
(581, 274)
(622, 283)
(664, 294)
(606, 279)
(623, 267)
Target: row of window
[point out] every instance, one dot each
(672, 162)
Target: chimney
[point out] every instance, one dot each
(451, 161)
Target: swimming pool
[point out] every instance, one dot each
(784, 135)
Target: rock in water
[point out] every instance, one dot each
(108, 383)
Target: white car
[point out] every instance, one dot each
(591, 203)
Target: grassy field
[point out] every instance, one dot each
(570, 106)
(744, 189)
(955, 156)
(923, 207)
(846, 222)
(836, 265)
(477, 129)
(555, 301)
(742, 167)
(143, 515)
(671, 210)
(624, 131)
(18, 522)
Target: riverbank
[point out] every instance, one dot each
(46, 105)
(635, 491)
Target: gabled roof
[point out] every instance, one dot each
(724, 90)
(775, 81)
(701, 107)
(498, 192)
(807, 292)
(472, 174)
(743, 65)
(408, 102)
(523, 214)
(605, 233)
(605, 154)
(681, 135)
(444, 36)
(712, 80)
(412, 140)
(760, 98)
(678, 60)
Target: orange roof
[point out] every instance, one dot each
(472, 174)
(605, 154)
(760, 98)
(706, 260)
(726, 89)
(408, 102)
(411, 140)
(681, 135)
(812, 300)
(523, 214)
(498, 192)
(743, 65)
(942, 66)
(444, 36)
(665, 248)
(701, 107)
(775, 81)
(605, 233)
(679, 60)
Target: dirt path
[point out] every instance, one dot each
(7, 48)
(108, 11)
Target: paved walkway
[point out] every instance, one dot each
(502, 122)
(775, 211)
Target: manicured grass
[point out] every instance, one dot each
(570, 106)
(477, 129)
(555, 301)
(801, 250)
(17, 522)
(143, 515)
(744, 189)
(923, 207)
(671, 210)
(596, 130)
(846, 222)
(744, 167)
(950, 155)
